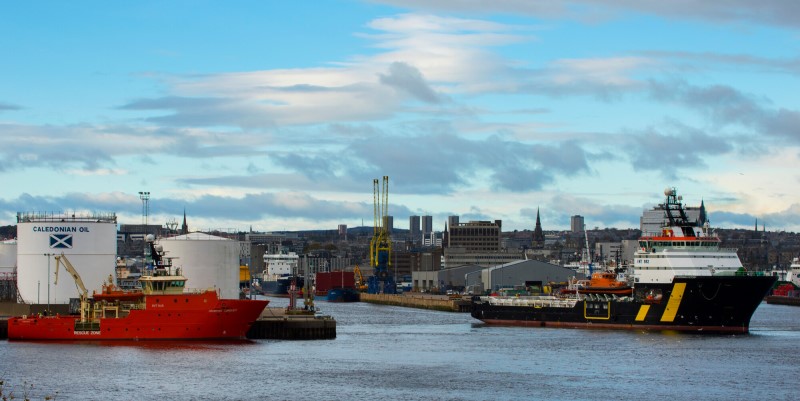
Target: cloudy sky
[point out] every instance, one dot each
(278, 115)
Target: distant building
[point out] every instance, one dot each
(459, 256)
(478, 243)
(476, 236)
(343, 231)
(388, 224)
(452, 221)
(576, 223)
(414, 228)
(427, 225)
(432, 239)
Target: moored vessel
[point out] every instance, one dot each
(280, 274)
(163, 309)
(682, 280)
(343, 294)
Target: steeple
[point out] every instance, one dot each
(703, 218)
(538, 235)
(184, 227)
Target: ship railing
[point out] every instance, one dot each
(536, 302)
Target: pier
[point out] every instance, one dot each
(420, 301)
(277, 324)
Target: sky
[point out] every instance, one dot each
(278, 115)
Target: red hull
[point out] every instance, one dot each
(163, 317)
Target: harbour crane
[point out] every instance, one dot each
(380, 247)
(83, 293)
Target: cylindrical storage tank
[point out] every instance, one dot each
(8, 256)
(207, 261)
(88, 241)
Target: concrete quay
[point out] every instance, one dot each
(277, 324)
(420, 301)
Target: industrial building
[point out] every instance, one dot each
(442, 280)
(518, 273)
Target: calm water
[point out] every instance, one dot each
(389, 353)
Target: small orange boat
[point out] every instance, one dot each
(606, 283)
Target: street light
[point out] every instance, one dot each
(145, 197)
(48, 280)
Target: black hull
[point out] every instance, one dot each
(718, 304)
(280, 287)
(343, 295)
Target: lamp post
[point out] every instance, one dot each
(48, 255)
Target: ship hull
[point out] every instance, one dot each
(163, 317)
(343, 295)
(713, 304)
(280, 287)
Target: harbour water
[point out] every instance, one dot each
(388, 353)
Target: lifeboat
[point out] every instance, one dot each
(111, 292)
(606, 283)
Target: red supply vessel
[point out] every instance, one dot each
(161, 310)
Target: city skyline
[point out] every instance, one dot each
(278, 116)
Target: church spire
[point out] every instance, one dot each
(184, 227)
(703, 218)
(538, 234)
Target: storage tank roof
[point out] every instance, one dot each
(195, 237)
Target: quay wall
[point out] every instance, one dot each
(420, 301)
(778, 300)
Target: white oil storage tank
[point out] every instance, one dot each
(8, 256)
(207, 261)
(88, 240)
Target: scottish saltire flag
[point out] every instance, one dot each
(61, 241)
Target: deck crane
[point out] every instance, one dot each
(380, 247)
(83, 292)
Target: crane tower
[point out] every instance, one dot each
(380, 247)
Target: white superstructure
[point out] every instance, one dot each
(681, 249)
(280, 264)
(89, 240)
(793, 275)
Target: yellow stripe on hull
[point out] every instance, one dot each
(642, 313)
(674, 302)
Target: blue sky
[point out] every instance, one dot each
(278, 115)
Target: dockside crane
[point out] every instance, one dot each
(380, 247)
(83, 292)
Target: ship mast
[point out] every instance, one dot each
(588, 255)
